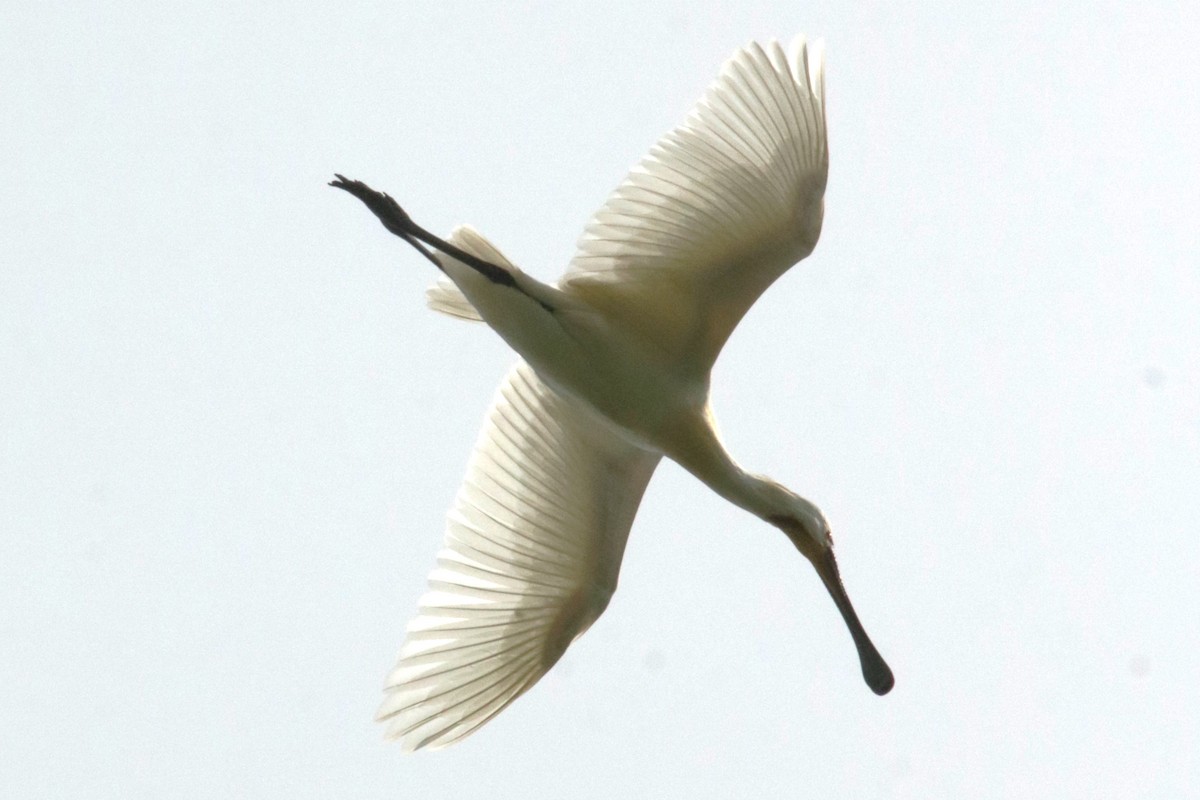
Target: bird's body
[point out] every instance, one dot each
(614, 374)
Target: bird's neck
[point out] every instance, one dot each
(704, 456)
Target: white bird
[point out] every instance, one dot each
(614, 374)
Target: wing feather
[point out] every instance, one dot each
(721, 207)
(532, 551)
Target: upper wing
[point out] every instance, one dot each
(532, 551)
(721, 207)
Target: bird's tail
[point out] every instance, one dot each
(444, 296)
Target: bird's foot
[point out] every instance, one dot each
(389, 212)
(382, 205)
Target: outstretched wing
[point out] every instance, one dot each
(532, 551)
(720, 208)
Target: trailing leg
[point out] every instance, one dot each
(397, 220)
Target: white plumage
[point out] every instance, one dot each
(532, 549)
(614, 375)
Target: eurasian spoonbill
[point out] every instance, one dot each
(614, 374)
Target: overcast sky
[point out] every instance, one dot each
(230, 429)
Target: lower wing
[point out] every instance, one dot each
(532, 552)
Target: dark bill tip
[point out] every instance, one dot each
(877, 673)
(875, 670)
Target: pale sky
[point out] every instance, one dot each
(230, 429)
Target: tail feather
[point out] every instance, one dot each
(444, 296)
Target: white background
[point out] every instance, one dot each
(229, 429)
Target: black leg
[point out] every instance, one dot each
(397, 220)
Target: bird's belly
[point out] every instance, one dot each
(643, 401)
(631, 387)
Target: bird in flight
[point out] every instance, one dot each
(613, 375)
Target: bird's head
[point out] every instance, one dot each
(806, 527)
(802, 521)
